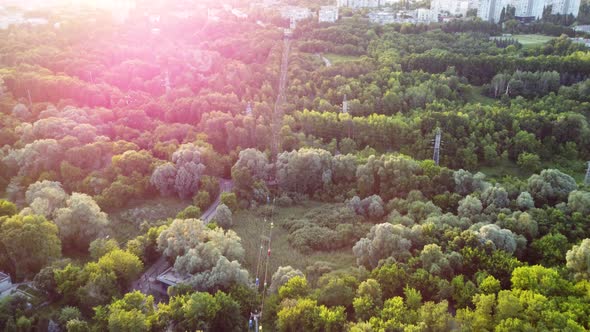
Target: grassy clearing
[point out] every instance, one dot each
(250, 226)
(477, 97)
(125, 223)
(530, 40)
(503, 168)
(337, 58)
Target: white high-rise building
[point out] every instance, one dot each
(528, 8)
(566, 7)
(426, 15)
(328, 14)
(453, 7)
(490, 10)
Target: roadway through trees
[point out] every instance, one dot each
(147, 282)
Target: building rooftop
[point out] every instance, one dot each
(171, 278)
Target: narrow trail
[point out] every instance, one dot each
(147, 281)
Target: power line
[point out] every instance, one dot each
(265, 284)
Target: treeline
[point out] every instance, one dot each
(482, 68)
(505, 42)
(347, 38)
(369, 90)
(467, 142)
(524, 84)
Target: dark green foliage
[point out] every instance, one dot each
(7, 208)
(325, 230)
(230, 200)
(190, 212)
(202, 200)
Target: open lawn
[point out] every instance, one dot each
(476, 96)
(502, 168)
(337, 58)
(251, 227)
(126, 222)
(531, 40)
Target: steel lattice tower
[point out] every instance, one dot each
(437, 141)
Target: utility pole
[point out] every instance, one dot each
(437, 141)
(587, 179)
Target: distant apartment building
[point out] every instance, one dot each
(491, 10)
(382, 17)
(328, 14)
(426, 15)
(360, 3)
(295, 13)
(535, 8)
(452, 7)
(473, 4)
(530, 8)
(565, 7)
(583, 28)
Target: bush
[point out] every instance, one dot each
(223, 216)
(7, 208)
(69, 313)
(529, 161)
(101, 247)
(231, 200)
(210, 184)
(284, 201)
(190, 212)
(202, 200)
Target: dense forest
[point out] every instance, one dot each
(128, 147)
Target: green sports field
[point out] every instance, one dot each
(531, 40)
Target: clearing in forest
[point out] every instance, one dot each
(250, 226)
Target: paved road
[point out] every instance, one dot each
(147, 281)
(224, 186)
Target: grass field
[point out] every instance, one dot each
(337, 58)
(251, 227)
(125, 222)
(477, 96)
(531, 40)
(502, 168)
